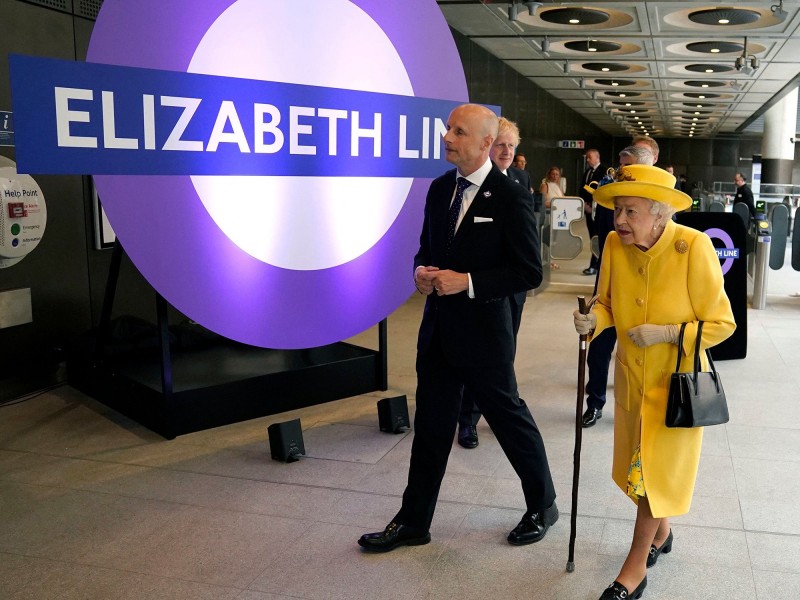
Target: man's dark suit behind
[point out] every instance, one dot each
(593, 173)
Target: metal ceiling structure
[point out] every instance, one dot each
(668, 68)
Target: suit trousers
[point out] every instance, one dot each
(591, 226)
(439, 387)
(470, 413)
(598, 359)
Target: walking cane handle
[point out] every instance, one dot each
(583, 306)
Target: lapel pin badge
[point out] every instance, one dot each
(487, 194)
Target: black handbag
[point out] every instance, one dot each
(696, 399)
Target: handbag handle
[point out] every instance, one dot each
(696, 355)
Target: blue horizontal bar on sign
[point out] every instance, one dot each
(87, 118)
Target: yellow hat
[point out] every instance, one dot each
(643, 181)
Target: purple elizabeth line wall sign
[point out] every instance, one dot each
(298, 259)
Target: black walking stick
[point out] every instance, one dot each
(584, 308)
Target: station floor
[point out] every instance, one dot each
(94, 506)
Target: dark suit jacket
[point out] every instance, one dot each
(745, 194)
(502, 255)
(597, 175)
(521, 177)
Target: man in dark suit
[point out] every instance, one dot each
(502, 155)
(594, 172)
(744, 194)
(478, 247)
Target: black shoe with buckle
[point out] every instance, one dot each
(617, 591)
(666, 548)
(468, 436)
(533, 526)
(591, 416)
(393, 536)
(590, 271)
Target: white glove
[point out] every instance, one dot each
(584, 324)
(647, 334)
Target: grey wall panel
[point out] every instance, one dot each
(56, 271)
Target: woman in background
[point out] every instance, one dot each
(551, 186)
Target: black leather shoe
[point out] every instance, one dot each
(590, 271)
(591, 416)
(393, 536)
(468, 436)
(666, 548)
(533, 526)
(617, 591)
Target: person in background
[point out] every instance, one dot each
(598, 356)
(744, 194)
(594, 172)
(655, 275)
(479, 245)
(550, 186)
(682, 184)
(647, 141)
(501, 155)
(520, 162)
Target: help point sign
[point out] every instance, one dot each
(263, 162)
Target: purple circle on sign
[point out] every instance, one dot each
(721, 234)
(181, 251)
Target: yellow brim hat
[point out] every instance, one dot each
(642, 181)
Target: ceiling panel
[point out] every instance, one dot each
(662, 50)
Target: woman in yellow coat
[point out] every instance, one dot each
(655, 275)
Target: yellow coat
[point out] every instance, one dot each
(677, 280)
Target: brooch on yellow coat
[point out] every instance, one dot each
(681, 247)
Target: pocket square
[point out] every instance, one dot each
(483, 220)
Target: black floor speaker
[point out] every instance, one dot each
(286, 441)
(393, 414)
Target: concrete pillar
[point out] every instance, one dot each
(777, 147)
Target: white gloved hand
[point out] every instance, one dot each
(584, 324)
(647, 334)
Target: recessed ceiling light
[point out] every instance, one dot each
(614, 84)
(724, 21)
(705, 85)
(627, 104)
(622, 95)
(701, 97)
(699, 106)
(694, 118)
(709, 70)
(574, 21)
(697, 112)
(714, 50)
(605, 69)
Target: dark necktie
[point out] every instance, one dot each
(455, 209)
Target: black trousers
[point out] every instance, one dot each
(439, 387)
(470, 413)
(598, 359)
(592, 227)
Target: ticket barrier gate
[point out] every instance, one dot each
(766, 244)
(560, 240)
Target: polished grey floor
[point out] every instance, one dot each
(93, 506)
